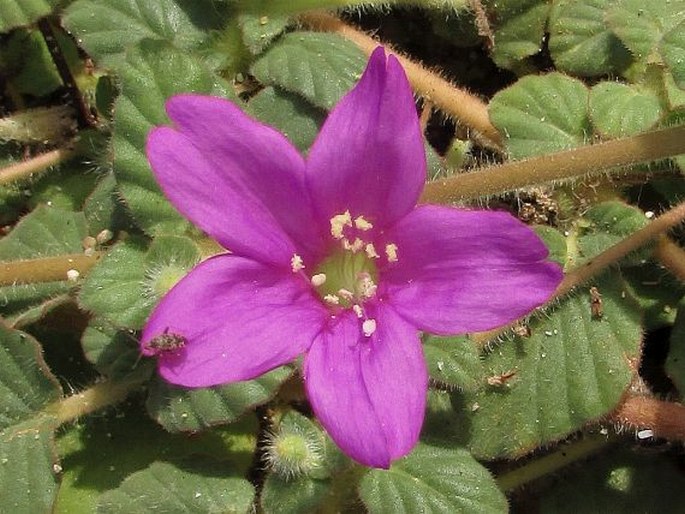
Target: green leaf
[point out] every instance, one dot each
(200, 487)
(27, 480)
(125, 284)
(107, 29)
(641, 25)
(103, 208)
(432, 480)
(580, 40)
(541, 114)
(320, 67)
(99, 453)
(191, 410)
(619, 110)
(300, 495)
(115, 353)
(555, 241)
(293, 116)
(606, 224)
(658, 293)
(15, 13)
(572, 369)
(675, 362)
(519, 28)
(45, 232)
(453, 361)
(28, 467)
(154, 71)
(673, 51)
(260, 31)
(27, 63)
(619, 481)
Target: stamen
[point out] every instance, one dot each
(358, 311)
(371, 251)
(339, 222)
(354, 247)
(296, 263)
(366, 285)
(369, 327)
(318, 279)
(346, 295)
(331, 299)
(362, 224)
(391, 252)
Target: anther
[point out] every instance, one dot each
(296, 263)
(391, 252)
(331, 299)
(355, 246)
(358, 311)
(318, 279)
(362, 224)
(345, 294)
(339, 222)
(369, 327)
(367, 287)
(371, 251)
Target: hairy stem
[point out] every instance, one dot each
(47, 269)
(27, 169)
(92, 399)
(665, 419)
(465, 107)
(569, 164)
(563, 456)
(607, 258)
(671, 256)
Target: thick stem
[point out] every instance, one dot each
(92, 399)
(467, 108)
(569, 164)
(27, 169)
(48, 269)
(563, 456)
(671, 256)
(665, 419)
(607, 258)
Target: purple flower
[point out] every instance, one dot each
(331, 258)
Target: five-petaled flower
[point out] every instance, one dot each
(331, 258)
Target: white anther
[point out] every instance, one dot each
(319, 279)
(345, 294)
(367, 287)
(362, 224)
(73, 275)
(296, 263)
(358, 311)
(371, 251)
(355, 246)
(369, 327)
(391, 252)
(331, 299)
(339, 222)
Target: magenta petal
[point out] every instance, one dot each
(240, 318)
(369, 156)
(464, 271)
(369, 392)
(249, 155)
(213, 200)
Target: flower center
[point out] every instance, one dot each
(346, 278)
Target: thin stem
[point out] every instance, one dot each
(569, 164)
(464, 106)
(613, 254)
(671, 256)
(563, 456)
(48, 269)
(92, 399)
(27, 169)
(665, 419)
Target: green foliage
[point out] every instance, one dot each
(673, 50)
(453, 361)
(541, 114)
(675, 363)
(432, 480)
(15, 13)
(619, 110)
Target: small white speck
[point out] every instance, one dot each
(369, 327)
(198, 494)
(73, 275)
(319, 279)
(548, 333)
(649, 215)
(604, 431)
(56, 469)
(645, 434)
